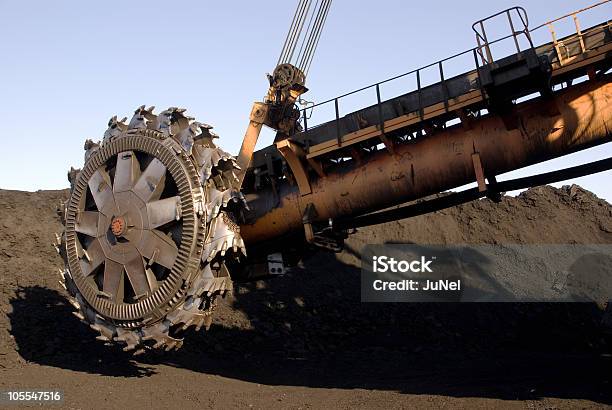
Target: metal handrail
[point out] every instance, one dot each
(440, 63)
(520, 11)
(558, 44)
(416, 71)
(482, 35)
(572, 14)
(471, 50)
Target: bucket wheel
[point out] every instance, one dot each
(148, 228)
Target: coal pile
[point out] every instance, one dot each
(316, 310)
(314, 313)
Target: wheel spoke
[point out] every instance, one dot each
(113, 280)
(151, 183)
(157, 247)
(153, 284)
(100, 187)
(163, 211)
(138, 277)
(93, 257)
(88, 223)
(127, 171)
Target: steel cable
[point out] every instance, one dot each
(308, 62)
(309, 41)
(299, 56)
(313, 36)
(294, 31)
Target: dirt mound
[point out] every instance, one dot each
(309, 327)
(316, 308)
(28, 224)
(539, 215)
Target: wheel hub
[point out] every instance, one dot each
(118, 226)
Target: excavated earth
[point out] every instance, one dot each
(305, 340)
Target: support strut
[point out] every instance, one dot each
(472, 194)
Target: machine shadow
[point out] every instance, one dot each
(310, 328)
(47, 333)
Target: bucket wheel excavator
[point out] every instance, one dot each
(152, 217)
(160, 219)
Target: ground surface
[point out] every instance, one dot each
(306, 341)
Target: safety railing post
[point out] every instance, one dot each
(551, 28)
(525, 22)
(579, 33)
(486, 43)
(443, 83)
(381, 122)
(338, 137)
(514, 36)
(418, 76)
(478, 72)
(482, 57)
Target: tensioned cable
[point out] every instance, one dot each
(299, 56)
(296, 38)
(310, 35)
(294, 31)
(314, 36)
(299, 33)
(290, 29)
(306, 68)
(308, 39)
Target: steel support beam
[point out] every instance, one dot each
(458, 198)
(442, 161)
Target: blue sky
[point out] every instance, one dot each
(68, 66)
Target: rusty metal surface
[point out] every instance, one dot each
(442, 161)
(278, 112)
(259, 114)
